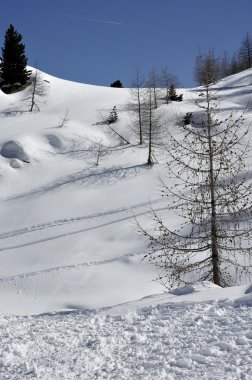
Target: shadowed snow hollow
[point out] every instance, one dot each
(13, 149)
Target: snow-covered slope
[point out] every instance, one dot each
(67, 225)
(67, 230)
(71, 269)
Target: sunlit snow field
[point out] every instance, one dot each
(76, 299)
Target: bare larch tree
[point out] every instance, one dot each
(246, 52)
(136, 104)
(39, 89)
(206, 64)
(211, 194)
(152, 123)
(153, 83)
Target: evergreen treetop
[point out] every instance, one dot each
(13, 67)
(113, 116)
(172, 94)
(117, 84)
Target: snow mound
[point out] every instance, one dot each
(198, 119)
(15, 164)
(244, 301)
(249, 290)
(197, 287)
(182, 290)
(55, 141)
(13, 149)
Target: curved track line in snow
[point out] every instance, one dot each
(59, 269)
(60, 223)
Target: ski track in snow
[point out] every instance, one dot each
(181, 341)
(88, 223)
(60, 222)
(61, 268)
(94, 221)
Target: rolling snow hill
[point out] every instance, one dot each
(67, 227)
(71, 269)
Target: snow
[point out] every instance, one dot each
(12, 149)
(169, 340)
(196, 287)
(76, 299)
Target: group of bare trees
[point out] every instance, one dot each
(206, 184)
(145, 98)
(220, 66)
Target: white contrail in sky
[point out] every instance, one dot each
(91, 19)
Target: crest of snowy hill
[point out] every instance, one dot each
(70, 193)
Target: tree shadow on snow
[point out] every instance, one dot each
(87, 178)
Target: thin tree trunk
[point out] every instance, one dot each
(139, 117)
(149, 162)
(33, 95)
(155, 96)
(214, 228)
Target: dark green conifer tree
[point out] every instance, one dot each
(172, 94)
(117, 84)
(13, 67)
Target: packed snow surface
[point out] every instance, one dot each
(71, 193)
(159, 337)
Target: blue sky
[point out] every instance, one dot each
(99, 41)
